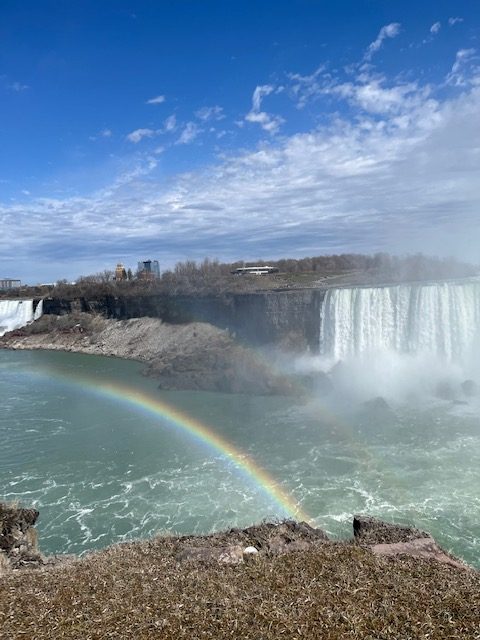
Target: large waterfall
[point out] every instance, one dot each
(18, 313)
(437, 319)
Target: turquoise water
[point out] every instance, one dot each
(101, 472)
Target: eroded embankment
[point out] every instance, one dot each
(389, 582)
(193, 356)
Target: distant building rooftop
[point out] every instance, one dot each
(10, 283)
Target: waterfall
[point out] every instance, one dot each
(18, 313)
(437, 319)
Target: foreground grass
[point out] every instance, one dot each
(331, 591)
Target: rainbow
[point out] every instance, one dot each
(140, 401)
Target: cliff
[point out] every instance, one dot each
(257, 318)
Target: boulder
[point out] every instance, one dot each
(371, 531)
(469, 388)
(378, 405)
(425, 548)
(445, 390)
(18, 538)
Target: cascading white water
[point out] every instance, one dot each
(18, 313)
(438, 319)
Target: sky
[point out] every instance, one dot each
(236, 130)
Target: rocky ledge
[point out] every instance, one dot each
(274, 580)
(194, 356)
(19, 548)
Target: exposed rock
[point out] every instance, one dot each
(469, 388)
(195, 356)
(18, 538)
(277, 539)
(445, 390)
(316, 381)
(377, 405)
(371, 531)
(418, 548)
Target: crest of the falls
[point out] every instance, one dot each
(18, 313)
(438, 319)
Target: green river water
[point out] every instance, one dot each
(101, 471)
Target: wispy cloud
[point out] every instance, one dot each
(210, 113)
(388, 31)
(435, 28)
(189, 133)
(394, 167)
(18, 87)
(459, 75)
(454, 21)
(306, 87)
(139, 134)
(156, 100)
(170, 124)
(396, 178)
(104, 133)
(268, 122)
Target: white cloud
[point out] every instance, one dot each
(139, 134)
(189, 133)
(388, 31)
(156, 100)
(306, 87)
(268, 122)
(210, 113)
(435, 28)
(398, 171)
(104, 133)
(453, 21)
(459, 75)
(170, 124)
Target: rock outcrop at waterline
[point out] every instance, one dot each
(195, 356)
(19, 549)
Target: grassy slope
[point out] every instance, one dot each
(332, 591)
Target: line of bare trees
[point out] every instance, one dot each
(212, 276)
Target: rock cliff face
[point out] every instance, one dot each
(258, 318)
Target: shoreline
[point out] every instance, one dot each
(194, 356)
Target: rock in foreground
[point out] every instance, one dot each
(298, 586)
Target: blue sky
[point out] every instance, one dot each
(235, 130)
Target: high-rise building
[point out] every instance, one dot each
(120, 273)
(149, 269)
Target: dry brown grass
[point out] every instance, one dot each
(332, 591)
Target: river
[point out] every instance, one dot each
(103, 465)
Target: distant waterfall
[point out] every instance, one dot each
(439, 319)
(18, 313)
